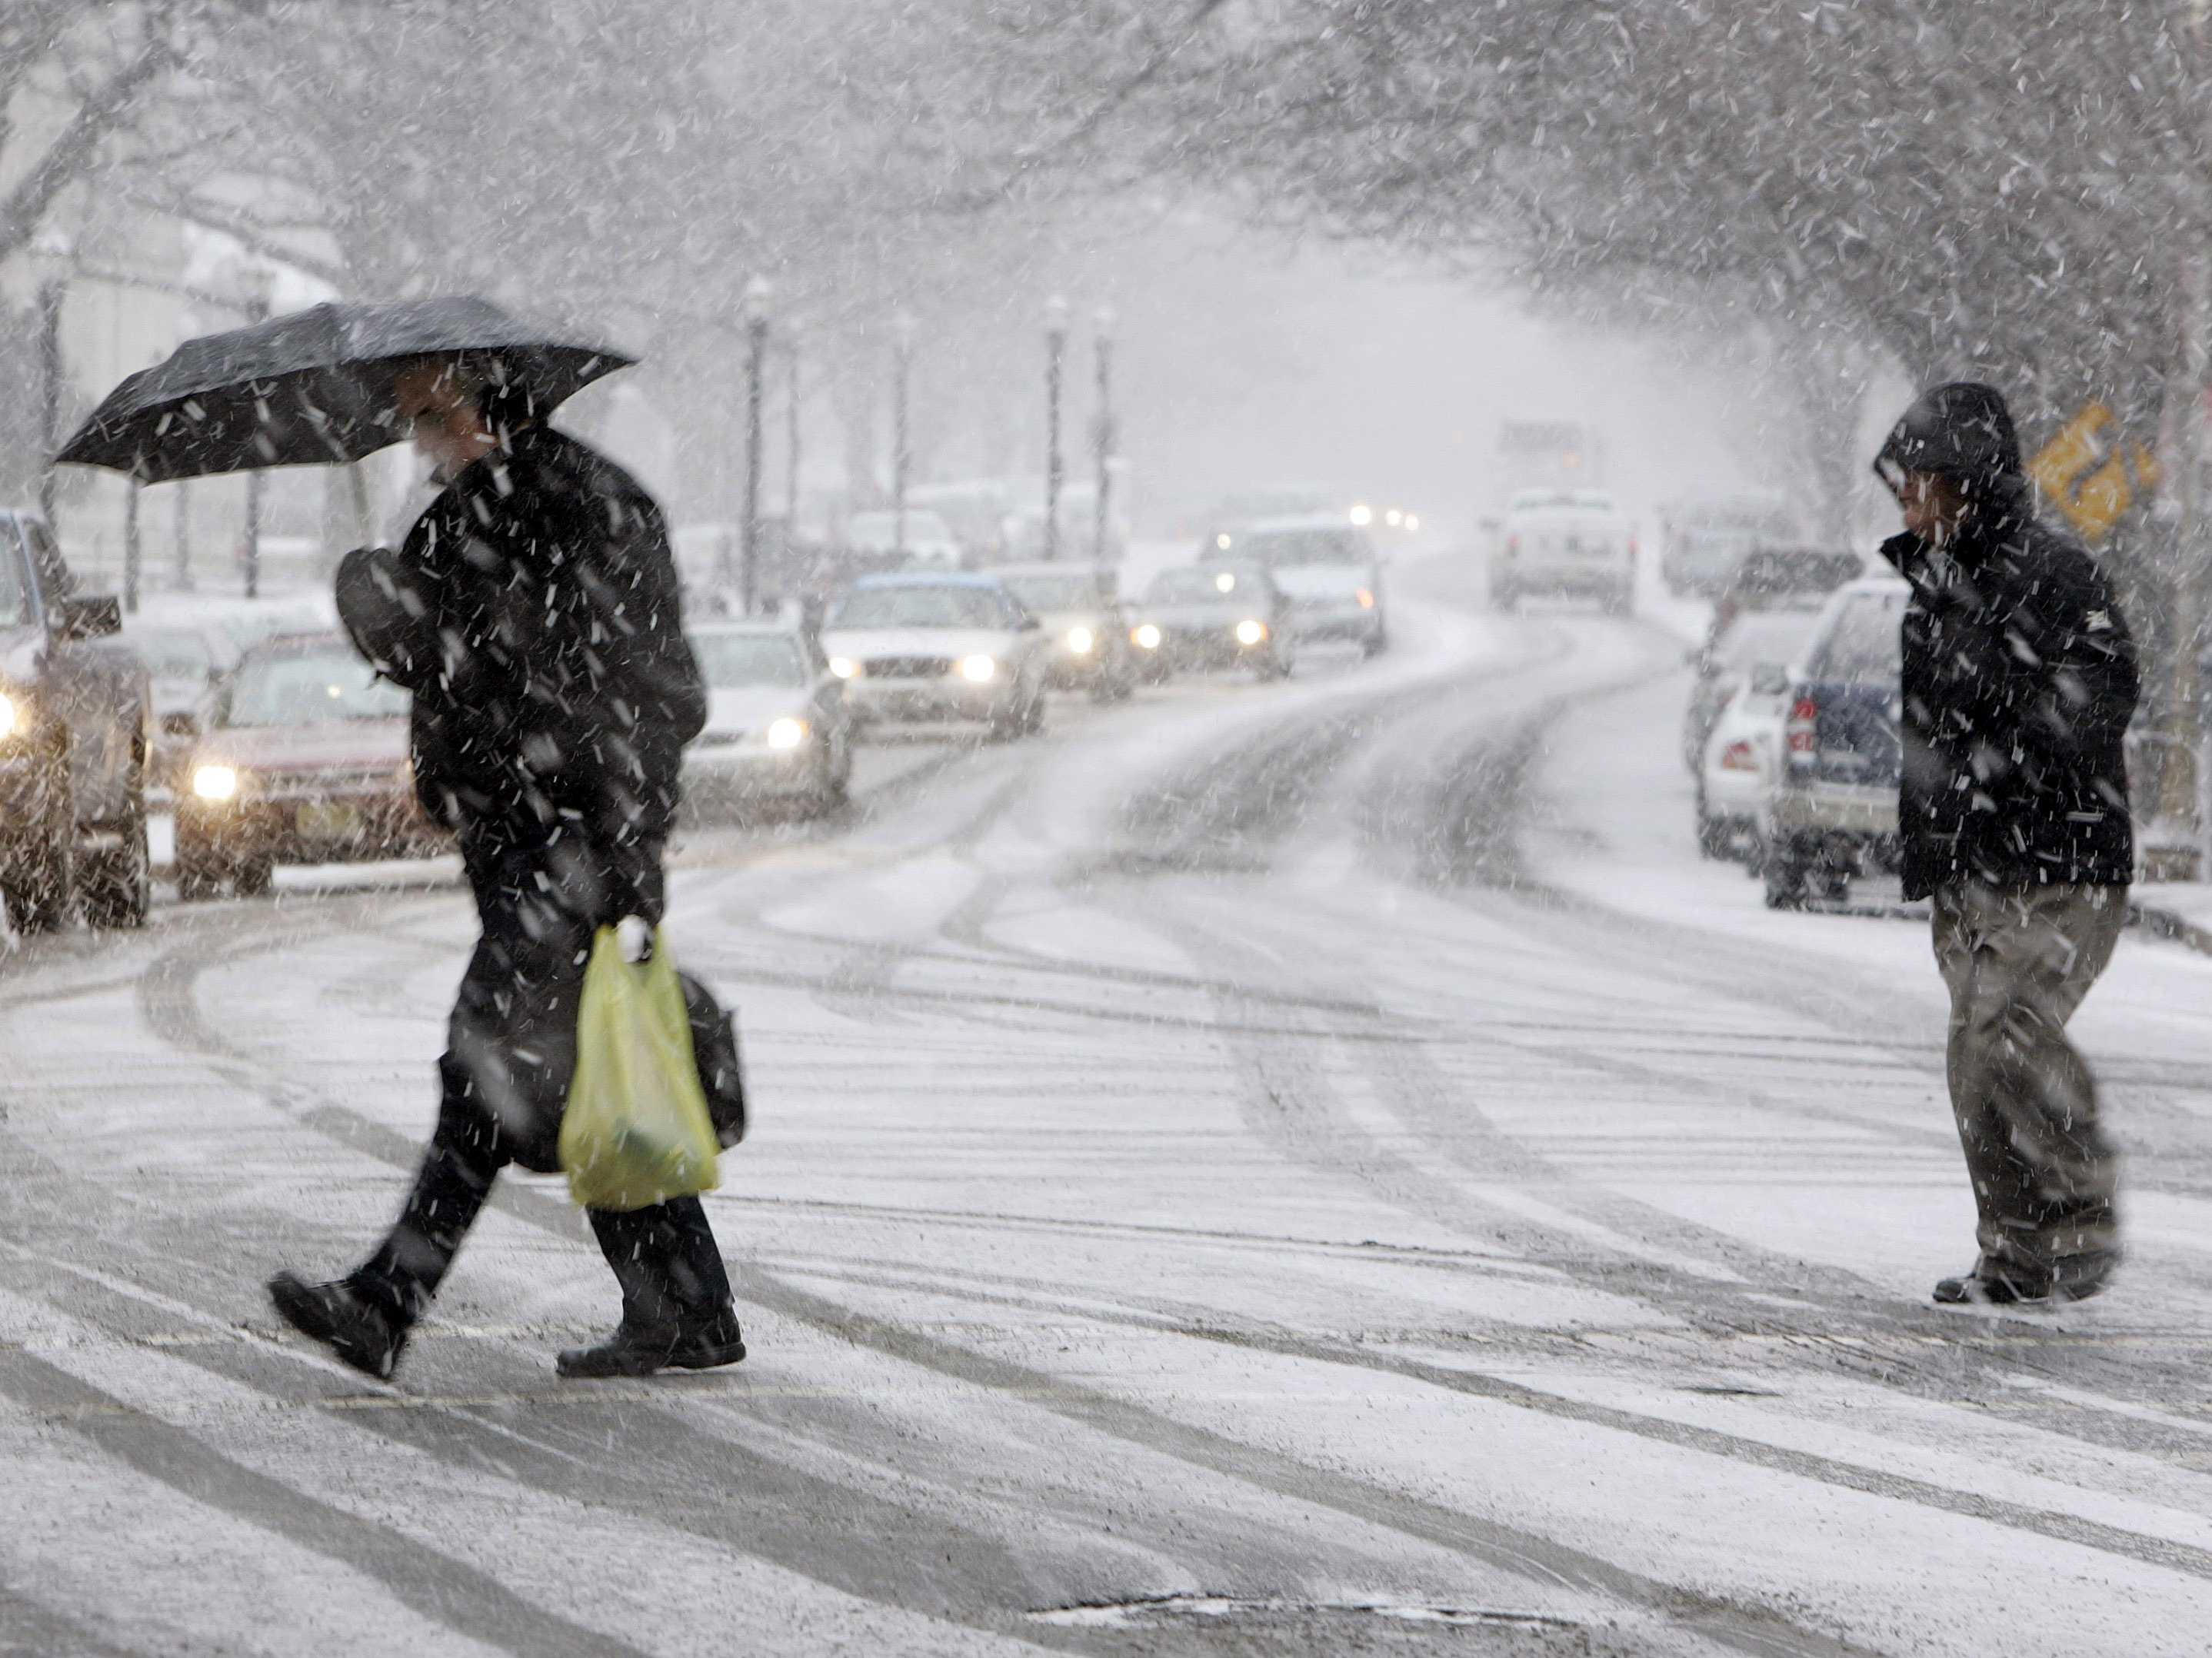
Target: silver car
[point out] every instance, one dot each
(777, 726)
(1087, 635)
(928, 646)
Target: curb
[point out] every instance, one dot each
(2170, 925)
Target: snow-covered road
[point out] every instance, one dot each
(1312, 1167)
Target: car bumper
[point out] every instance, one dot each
(918, 701)
(332, 829)
(1356, 627)
(712, 774)
(1566, 580)
(1835, 809)
(1066, 671)
(1198, 651)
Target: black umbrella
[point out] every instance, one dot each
(313, 387)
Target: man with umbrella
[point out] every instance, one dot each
(533, 613)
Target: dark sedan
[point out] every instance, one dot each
(1206, 617)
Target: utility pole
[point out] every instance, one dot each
(130, 548)
(183, 579)
(1055, 348)
(50, 292)
(902, 326)
(756, 297)
(256, 311)
(791, 438)
(1104, 435)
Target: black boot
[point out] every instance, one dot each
(352, 1326)
(642, 1349)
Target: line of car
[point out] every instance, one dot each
(295, 752)
(1791, 728)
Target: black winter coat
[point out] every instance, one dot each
(534, 613)
(2020, 678)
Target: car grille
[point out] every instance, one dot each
(908, 667)
(279, 785)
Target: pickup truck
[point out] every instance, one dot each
(76, 738)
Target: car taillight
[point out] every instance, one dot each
(1804, 731)
(1739, 756)
(1512, 545)
(1631, 547)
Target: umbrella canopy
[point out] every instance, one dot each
(313, 387)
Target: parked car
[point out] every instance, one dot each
(1790, 577)
(1742, 762)
(777, 727)
(1725, 668)
(1703, 542)
(1832, 813)
(1329, 568)
(928, 646)
(185, 665)
(1564, 543)
(1198, 617)
(305, 760)
(1082, 619)
(928, 543)
(76, 736)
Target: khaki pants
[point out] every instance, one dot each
(2018, 962)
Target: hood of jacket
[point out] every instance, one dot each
(1962, 431)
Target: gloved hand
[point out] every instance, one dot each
(633, 938)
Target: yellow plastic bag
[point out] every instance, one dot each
(636, 1131)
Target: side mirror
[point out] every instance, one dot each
(1769, 679)
(87, 616)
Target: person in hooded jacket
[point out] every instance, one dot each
(2019, 679)
(533, 613)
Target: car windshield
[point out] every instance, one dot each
(1198, 587)
(1288, 549)
(920, 606)
(1864, 645)
(730, 660)
(1055, 593)
(319, 688)
(13, 610)
(176, 654)
(1763, 636)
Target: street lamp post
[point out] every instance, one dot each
(55, 260)
(257, 309)
(1104, 435)
(130, 547)
(902, 327)
(791, 435)
(1055, 347)
(756, 297)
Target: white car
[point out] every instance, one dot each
(1564, 543)
(777, 727)
(929, 543)
(1742, 763)
(923, 647)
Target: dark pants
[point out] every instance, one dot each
(2017, 962)
(511, 1048)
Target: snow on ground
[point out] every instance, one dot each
(1310, 1167)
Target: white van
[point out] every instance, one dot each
(1564, 543)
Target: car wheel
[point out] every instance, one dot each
(1377, 643)
(1712, 836)
(196, 876)
(1784, 867)
(119, 886)
(255, 876)
(1033, 715)
(41, 887)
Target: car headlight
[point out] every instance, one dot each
(786, 733)
(979, 670)
(216, 782)
(8, 718)
(1146, 637)
(1366, 599)
(844, 667)
(1080, 640)
(1250, 631)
